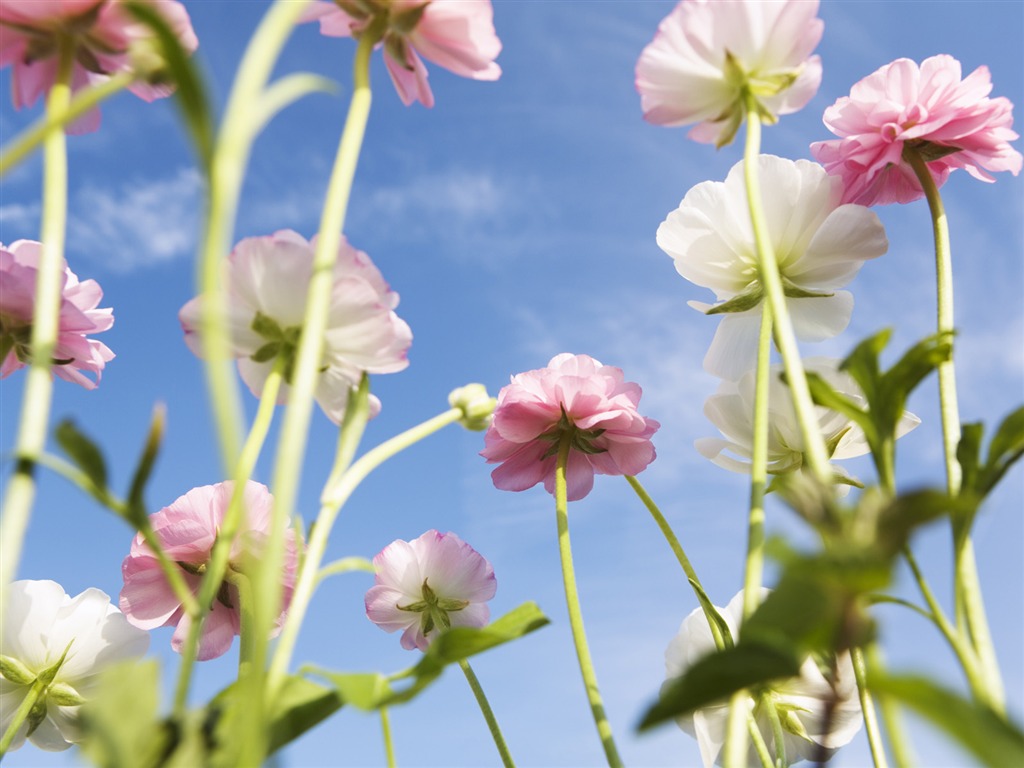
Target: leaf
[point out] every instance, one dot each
(741, 303)
(989, 737)
(862, 363)
(136, 500)
(120, 722)
(909, 511)
(825, 395)
(712, 614)
(1007, 447)
(968, 454)
(900, 380)
(301, 705)
(83, 452)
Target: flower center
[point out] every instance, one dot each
(434, 609)
(581, 440)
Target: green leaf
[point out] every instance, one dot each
(712, 614)
(1006, 448)
(968, 454)
(825, 395)
(989, 737)
(136, 492)
(742, 303)
(909, 511)
(83, 452)
(301, 705)
(900, 380)
(862, 363)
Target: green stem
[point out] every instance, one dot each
(777, 734)
(21, 715)
(970, 608)
(84, 100)
(758, 469)
(485, 707)
(867, 707)
(38, 391)
(572, 600)
(245, 598)
(385, 727)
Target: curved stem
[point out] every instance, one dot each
(385, 727)
(38, 391)
(485, 708)
(572, 600)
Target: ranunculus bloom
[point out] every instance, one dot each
(820, 245)
(800, 701)
(268, 278)
(187, 530)
(40, 622)
(428, 585)
(75, 353)
(731, 409)
(578, 395)
(103, 34)
(455, 34)
(707, 51)
(951, 121)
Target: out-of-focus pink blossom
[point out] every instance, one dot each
(949, 120)
(706, 53)
(268, 278)
(103, 34)
(574, 395)
(428, 585)
(187, 530)
(75, 354)
(455, 34)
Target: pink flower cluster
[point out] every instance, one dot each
(102, 33)
(75, 354)
(574, 395)
(950, 120)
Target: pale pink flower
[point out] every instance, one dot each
(41, 624)
(950, 121)
(455, 34)
(268, 278)
(707, 52)
(103, 34)
(574, 395)
(187, 530)
(75, 354)
(428, 585)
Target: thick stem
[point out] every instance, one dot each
(572, 600)
(485, 708)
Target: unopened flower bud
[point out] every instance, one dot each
(476, 406)
(16, 672)
(64, 695)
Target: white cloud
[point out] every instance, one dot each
(19, 222)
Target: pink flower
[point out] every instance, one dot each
(456, 34)
(428, 585)
(75, 353)
(950, 121)
(187, 530)
(708, 52)
(575, 394)
(268, 278)
(103, 34)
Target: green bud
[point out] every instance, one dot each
(16, 672)
(476, 405)
(64, 695)
(36, 715)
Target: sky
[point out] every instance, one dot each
(516, 219)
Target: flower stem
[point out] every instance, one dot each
(572, 599)
(970, 608)
(38, 391)
(867, 708)
(385, 727)
(758, 469)
(485, 707)
(21, 715)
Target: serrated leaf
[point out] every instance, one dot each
(83, 452)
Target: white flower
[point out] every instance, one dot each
(804, 698)
(40, 623)
(731, 409)
(819, 244)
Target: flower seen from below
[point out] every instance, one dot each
(187, 530)
(62, 643)
(820, 245)
(578, 398)
(104, 37)
(708, 53)
(731, 409)
(75, 353)
(428, 585)
(268, 278)
(801, 702)
(455, 34)
(948, 120)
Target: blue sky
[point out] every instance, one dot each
(517, 219)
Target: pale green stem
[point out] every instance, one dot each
(760, 746)
(331, 501)
(970, 608)
(771, 282)
(38, 391)
(777, 735)
(485, 708)
(902, 754)
(867, 708)
(572, 600)
(345, 565)
(20, 716)
(741, 719)
(245, 598)
(385, 727)
(677, 549)
(84, 100)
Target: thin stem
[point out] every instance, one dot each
(38, 391)
(385, 727)
(485, 707)
(758, 469)
(21, 715)
(867, 708)
(572, 600)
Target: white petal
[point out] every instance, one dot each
(820, 318)
(850, 235)
(733, 351)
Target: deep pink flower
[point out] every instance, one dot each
(951, 121)
(268, 278)
(576, 394)
(75, 353)
(455, 34)
(187, 530)
(706, 53)
(103, 33)
(428, 585)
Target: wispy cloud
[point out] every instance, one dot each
(18, 221)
